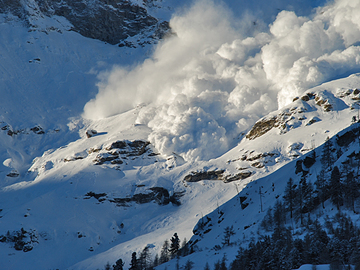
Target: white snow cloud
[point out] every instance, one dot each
(216, 76)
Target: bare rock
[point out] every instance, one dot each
(206, 175)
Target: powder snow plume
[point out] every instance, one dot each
(216, 76)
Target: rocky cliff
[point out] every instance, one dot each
(111, 21)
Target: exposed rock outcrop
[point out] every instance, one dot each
(13, 132)
(111, 21)
(159, 195)
(216, 175)
(119, 150)
(291, 118)
(206, 175)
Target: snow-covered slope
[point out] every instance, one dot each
(72, 198)
(162, 160)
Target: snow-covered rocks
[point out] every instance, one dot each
(91, 132)
(21, 239)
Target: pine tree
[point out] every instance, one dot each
(289, 197)
(279, 214)
(164, 253)
(134, 262)
(336, 189)
(144, 260)
(300, 199)
(308, 197)
(304, 199)
(351, 190)
(327, 158)
(228, 232)
(174, 245)
(118, 265)
(321, 187)
(268, 221)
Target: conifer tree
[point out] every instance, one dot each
(304, 199)
(174, 245)
(300, 198)
(268, 221)
(134, 262)
(336, 191)
(118, 265)
(351, 190)
(144, 260)
(164, 253)
(327, 158)
(321, 187)
(289, 197)
(279, 214)
(228, 232)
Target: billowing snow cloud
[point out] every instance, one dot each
(216, 77)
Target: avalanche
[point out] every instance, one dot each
(193, 136)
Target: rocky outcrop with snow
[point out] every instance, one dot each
(109, 21)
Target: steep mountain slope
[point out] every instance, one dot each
(293, 131)
(48, 73)
(109, 21)
(107, 183)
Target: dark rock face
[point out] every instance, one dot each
(216, 175)
(261, 127)
(119, 150)
(206, 175)
(111, 21)
(159, 195)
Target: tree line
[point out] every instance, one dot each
(144, 261)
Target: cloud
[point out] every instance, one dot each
(217, 76)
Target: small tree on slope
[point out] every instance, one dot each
(174, 245)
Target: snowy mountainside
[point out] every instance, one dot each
(48, 73)
(46, 79)
(108, 21)
(247, 212)
(103, 202)
(170, 140)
